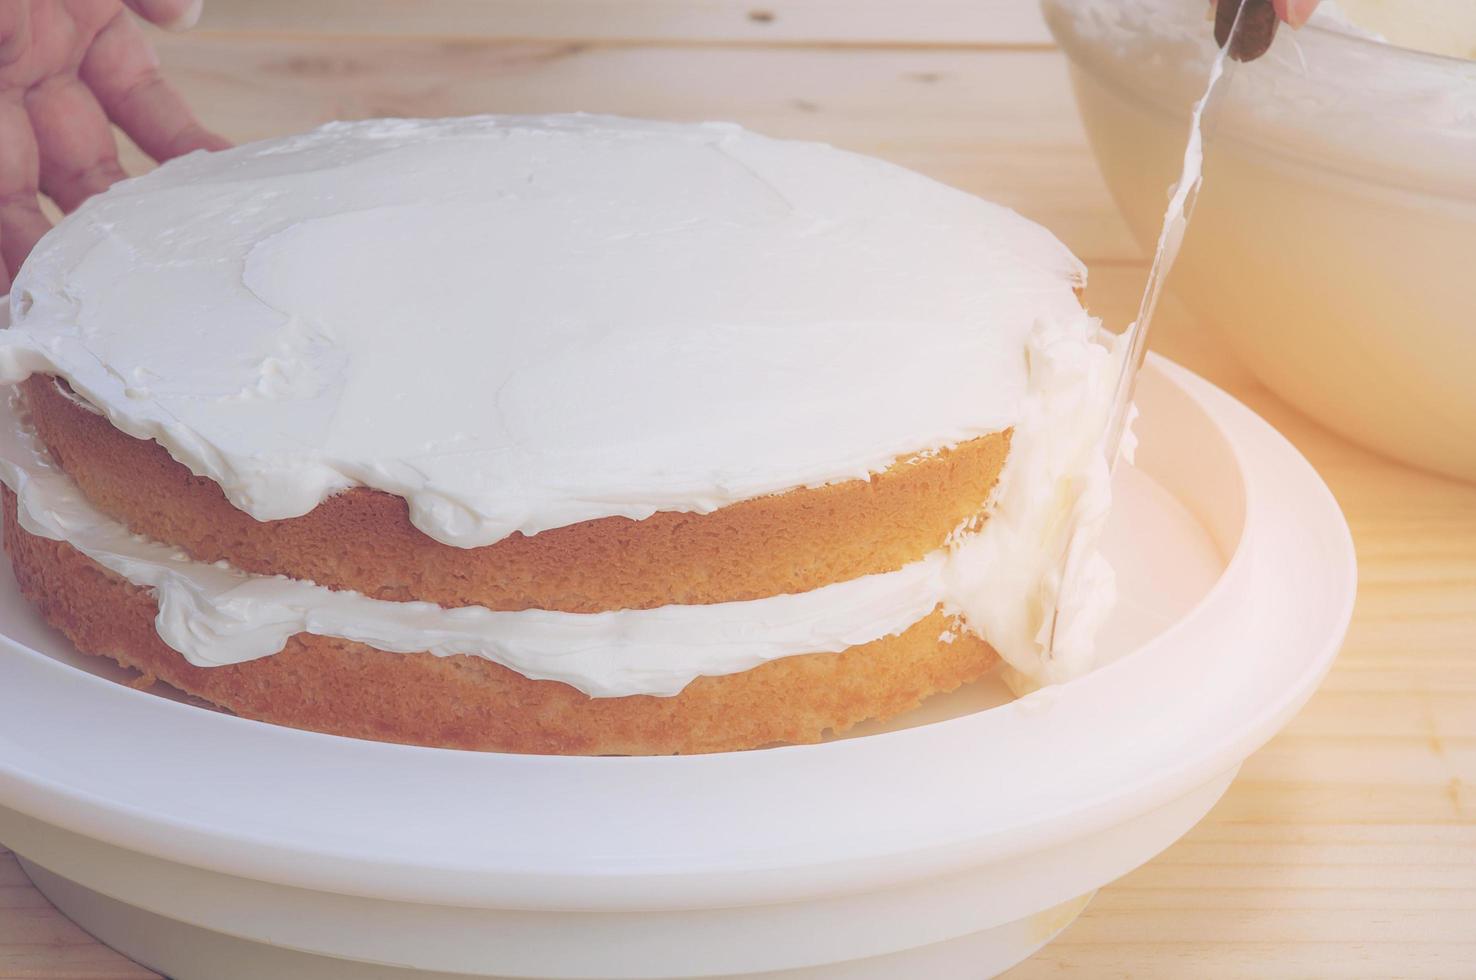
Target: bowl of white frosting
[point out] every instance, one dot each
(1334, 242)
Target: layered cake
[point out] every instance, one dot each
(561, 434)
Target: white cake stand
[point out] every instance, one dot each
(950, 844)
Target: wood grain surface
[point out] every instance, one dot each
(1347, 847)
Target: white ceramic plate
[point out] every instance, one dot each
(950, 844)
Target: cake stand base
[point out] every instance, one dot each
(948, 844)
(187, 952)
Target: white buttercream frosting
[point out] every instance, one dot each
(994, 580)
(1446, 27)
(1053, 497)
(1319, 96)
(521, 323)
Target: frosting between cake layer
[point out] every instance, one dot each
(522, 323)
(995, 579)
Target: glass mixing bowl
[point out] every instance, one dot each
(1334, 242)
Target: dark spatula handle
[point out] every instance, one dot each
(1257, 27)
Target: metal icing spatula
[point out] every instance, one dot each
(1244, 30)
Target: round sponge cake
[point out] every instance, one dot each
(549, 434)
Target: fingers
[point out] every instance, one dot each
(21, 226)
(1295, 12)
(77, 155)
(123, 73)
(15, 29)
(1298, 12)
(172, 15)
(21, 222)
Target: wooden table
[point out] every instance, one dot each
(1347, 847)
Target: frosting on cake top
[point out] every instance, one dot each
(517, 323)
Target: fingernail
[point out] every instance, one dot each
(188, 18)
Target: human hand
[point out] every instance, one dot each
(68, 68)
(1295, 12)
